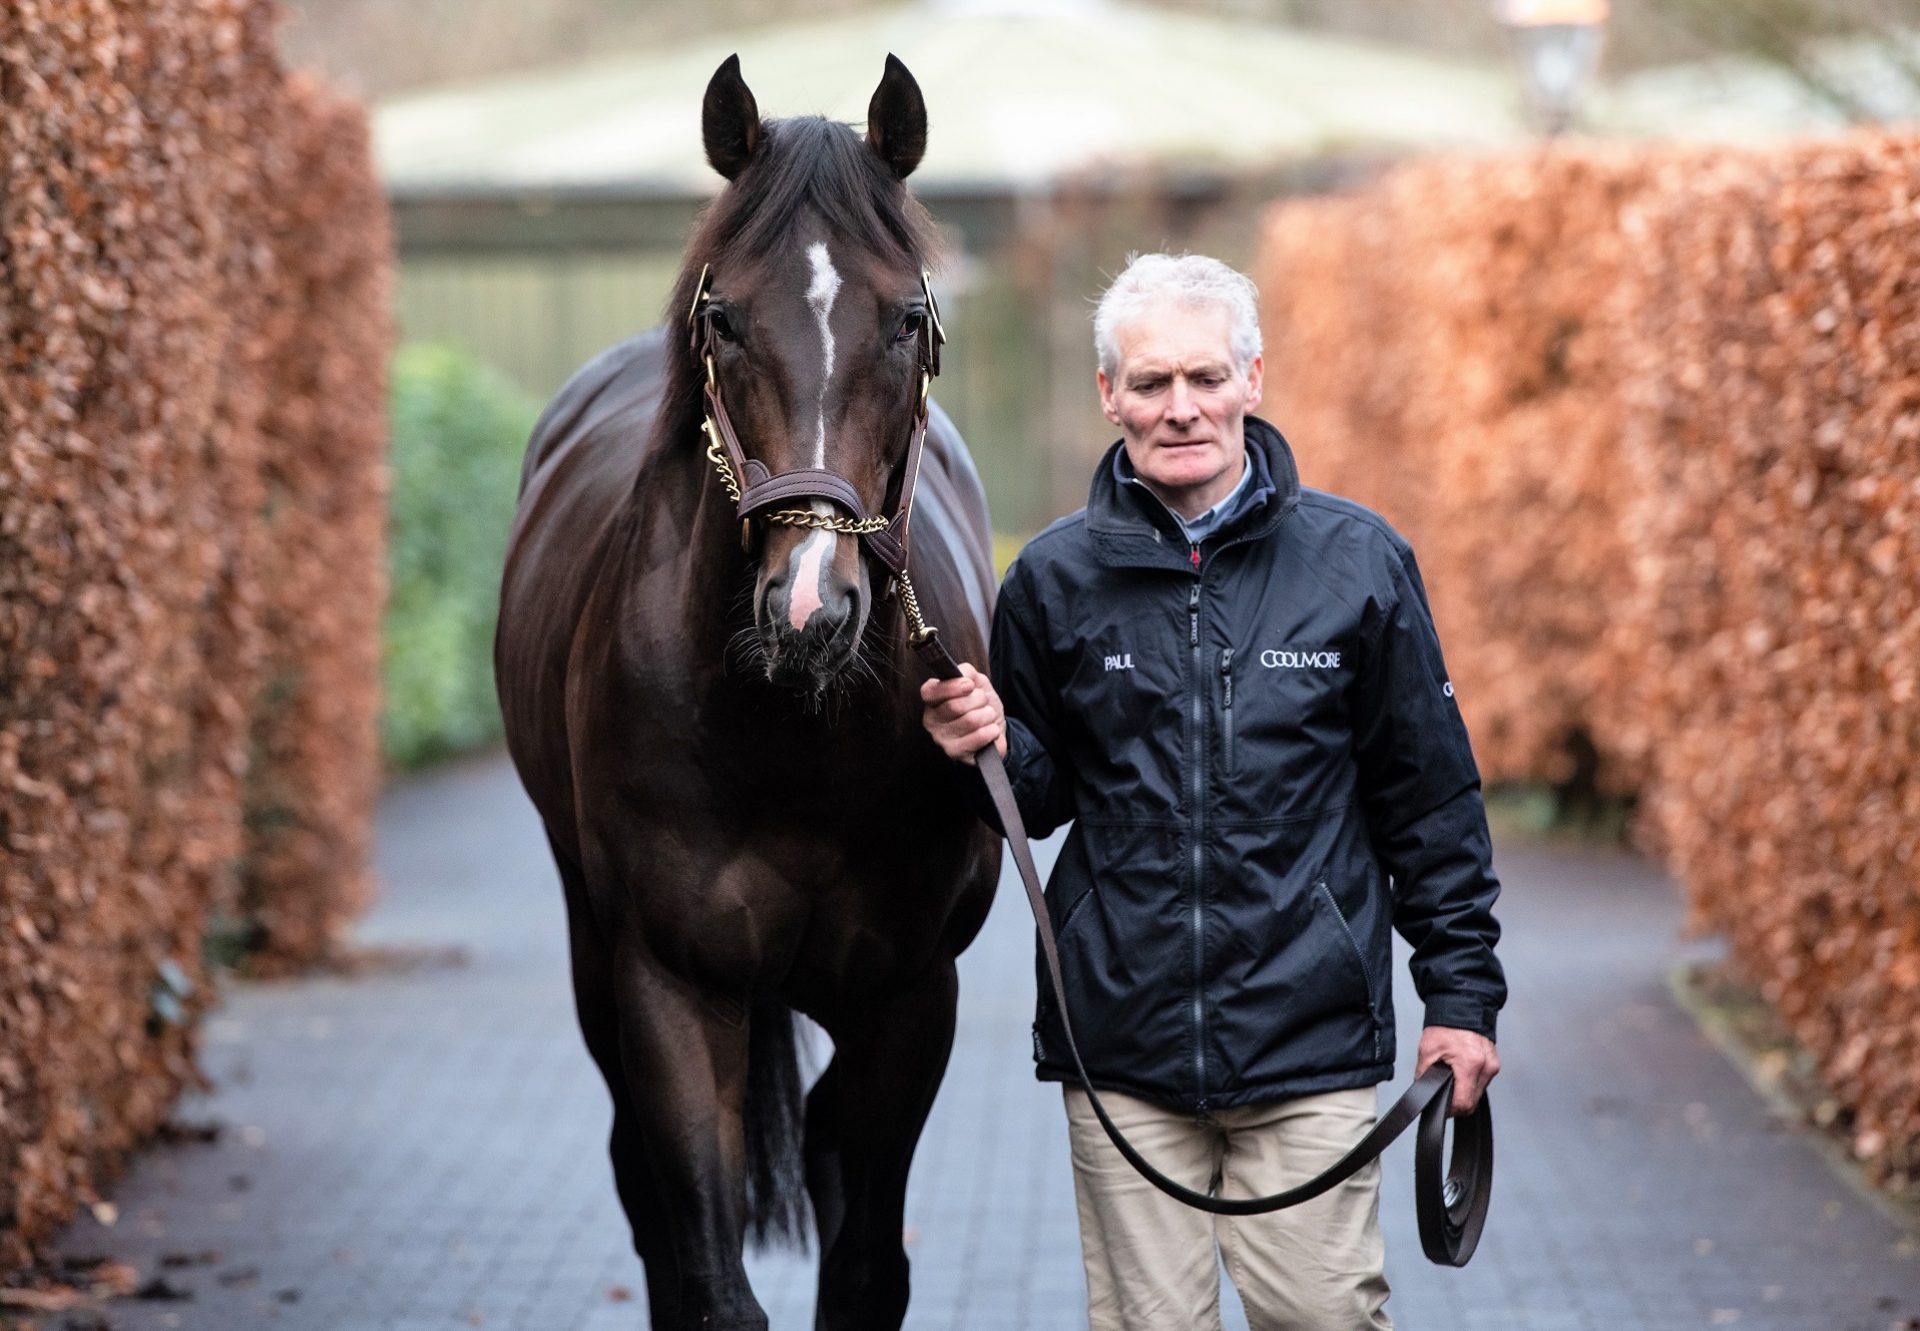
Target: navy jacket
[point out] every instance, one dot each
(1258, 746)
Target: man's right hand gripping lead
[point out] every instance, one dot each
(964, 715)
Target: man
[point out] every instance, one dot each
(1232, 686)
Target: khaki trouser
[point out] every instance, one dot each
(1151, 1262)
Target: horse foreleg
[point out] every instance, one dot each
(886, 1069)
(825, 1186)
(593, 998)
(686, 1072)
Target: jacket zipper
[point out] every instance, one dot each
(1197, 793)
(1196, 755)
(1197, 761)
(1366, 975)
(1226, 705)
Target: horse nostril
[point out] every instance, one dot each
(772, 601)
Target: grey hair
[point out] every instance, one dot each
(1191, 279)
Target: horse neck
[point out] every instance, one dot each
(679, 510)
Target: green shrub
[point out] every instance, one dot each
(459, 432)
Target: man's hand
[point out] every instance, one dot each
(1469, 1054)
(964, 715)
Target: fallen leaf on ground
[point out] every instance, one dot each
(173, 1261)
(160, 1290)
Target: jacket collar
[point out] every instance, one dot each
(1252, 488)
(1130, 527)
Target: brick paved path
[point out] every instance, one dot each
(419, 1150)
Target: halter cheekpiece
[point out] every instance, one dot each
(755, 492)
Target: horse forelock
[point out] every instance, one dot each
(806, 168)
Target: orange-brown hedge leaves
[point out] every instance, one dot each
(1774, 348)
(142, 283)
(316, 743)
(1653, 423)
(1439, 346)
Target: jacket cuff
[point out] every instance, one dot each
(1462, 1012)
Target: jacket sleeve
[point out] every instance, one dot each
(1421, 793)
(1017, 667)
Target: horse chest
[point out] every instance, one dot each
(738, 896)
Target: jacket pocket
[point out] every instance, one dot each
(1067, 902)
(1226, 711)
(1284, 746)
(1325, 893)
(1047, 1008)
(1121, 926)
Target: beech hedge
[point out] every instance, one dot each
(1652, 421)
(193, 261)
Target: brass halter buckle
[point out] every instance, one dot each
(702, 293)
(936, 332)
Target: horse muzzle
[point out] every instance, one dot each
(806, 647)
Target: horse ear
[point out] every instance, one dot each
(897, 120)
(729, 119)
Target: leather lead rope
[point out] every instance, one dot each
(1450, 1200)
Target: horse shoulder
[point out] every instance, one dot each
(629, 372)
(579, 473)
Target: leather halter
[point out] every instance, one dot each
(755, 492)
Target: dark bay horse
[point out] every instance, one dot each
(720, 728)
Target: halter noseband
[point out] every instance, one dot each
(754, 491)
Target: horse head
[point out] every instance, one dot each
(820, 323)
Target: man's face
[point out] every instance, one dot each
(1181, 402)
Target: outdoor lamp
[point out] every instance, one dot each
(1558, 45)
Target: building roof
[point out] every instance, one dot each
(1020, 92)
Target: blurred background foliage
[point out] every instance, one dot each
(459, 430)
(529, 280)
(380, 48)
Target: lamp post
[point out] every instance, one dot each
(1557, 43)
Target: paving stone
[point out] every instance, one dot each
(426, 1149)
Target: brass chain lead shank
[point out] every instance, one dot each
(796, 517)
(790, 517)
(918, 630)
(720, 463)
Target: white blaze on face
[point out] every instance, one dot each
(820, 293)
(806, 566)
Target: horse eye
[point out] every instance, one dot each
(910, 326)
(722, 329)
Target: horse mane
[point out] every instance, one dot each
(805, 164)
